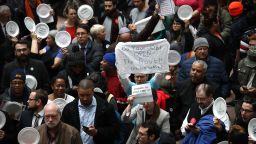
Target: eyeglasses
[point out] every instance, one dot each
(30, 99)
(245, 110)
(200, 99)
(80, 33)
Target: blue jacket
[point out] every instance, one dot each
(207, 133)
(216, 72)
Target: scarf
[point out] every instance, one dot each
(29, 7)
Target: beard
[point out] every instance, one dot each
(52, 124)
(22, 58)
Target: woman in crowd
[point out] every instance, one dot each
(58, 86)
(98, 34)
(71, 22)
(51, 54)
(148, 111)
(180, 36)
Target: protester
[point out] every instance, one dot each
(33, 116)
(148, 111)
(54, 130)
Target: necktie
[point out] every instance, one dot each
(36, 120)
(84, 52)
(4, 30)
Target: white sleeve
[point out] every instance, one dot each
(184, 124)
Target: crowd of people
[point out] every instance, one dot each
(217, 48)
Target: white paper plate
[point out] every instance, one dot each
(28, 135)
(43, 10)
(60, 102)
(85, 12)
(42, 30)
(219, 107)
(63, 39)
(173, 57)
(252, 129)
(2, 119)
(30, 24)
(12, 29)
(12, 107)
(31, 82)
(185, 12)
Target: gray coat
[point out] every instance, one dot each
(138, 113)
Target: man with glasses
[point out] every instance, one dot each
(92, 53)
(247, 112)
(29, 66)
(200, 124)
(33, 116)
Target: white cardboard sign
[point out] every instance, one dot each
(142, 57)
(142, 93)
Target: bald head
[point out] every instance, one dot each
(86, 84)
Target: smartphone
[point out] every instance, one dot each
(85, 128)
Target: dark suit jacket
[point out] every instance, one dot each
(186, 96)
(94, 55)
(26, 119)
(105, 121)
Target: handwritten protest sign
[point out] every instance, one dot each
(142, 57)
(142, 23)
(142, 93)
(167, 7)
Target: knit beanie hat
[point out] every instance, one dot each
(18, 74)
(235, 8)
(200, 42)
(110, 58)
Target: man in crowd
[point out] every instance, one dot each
(113, 20)
(245, 80)
(148, 133)
(92, 53)
(33, 116)
(247, 112)
(216, 71)
(29, 66)
(92, 116)
(200, 122)
(186, 89)
(139, 12)
(18, 91)
(55, 131)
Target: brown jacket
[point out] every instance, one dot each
(66, 134)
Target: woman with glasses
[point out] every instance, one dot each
(180, 36)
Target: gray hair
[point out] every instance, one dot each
(4, 8)
(201, 62)
(95, 29)
(54, 105)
